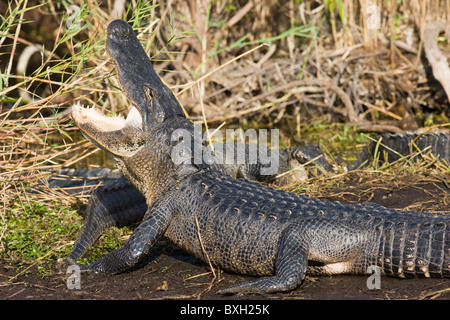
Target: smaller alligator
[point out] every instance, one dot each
(245, 227)
(390, 147)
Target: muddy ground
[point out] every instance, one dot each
(172, 274)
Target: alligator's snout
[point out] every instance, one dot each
(119, 30)
(137, 77)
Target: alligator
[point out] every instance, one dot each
(115, 202)
(241, 226)
(118, 203)
(390, 147)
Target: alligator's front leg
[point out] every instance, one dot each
(138, 246)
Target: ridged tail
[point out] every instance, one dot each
(415, 247)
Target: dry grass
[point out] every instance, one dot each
(315, 59)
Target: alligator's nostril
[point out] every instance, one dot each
(121, 29)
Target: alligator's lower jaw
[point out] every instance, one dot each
(119, 136)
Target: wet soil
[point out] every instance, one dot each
(172, 274)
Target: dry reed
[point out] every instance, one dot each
(350, 61)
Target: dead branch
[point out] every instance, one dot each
(350, 111)
(438, 62)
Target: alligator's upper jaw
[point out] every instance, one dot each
(136, 73)
(121, 137)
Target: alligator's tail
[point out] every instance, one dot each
(418, 247)
(395, 146)
(118, 204)
(80, 181)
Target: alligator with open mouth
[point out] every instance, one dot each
(238, 225)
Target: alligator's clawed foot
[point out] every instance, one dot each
(70, 261)
(66, 265)
(90, 268)
(237, 290)
(259, 286)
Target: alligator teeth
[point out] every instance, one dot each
(106, 123)
(134, 117)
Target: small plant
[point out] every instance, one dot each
(38, 232)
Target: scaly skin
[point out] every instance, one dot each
(116, 199)
(117, 203)
(249, 228)
(395, 146)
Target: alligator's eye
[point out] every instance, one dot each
(152, 108)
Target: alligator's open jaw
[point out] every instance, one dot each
(120, 136)
(105, 123)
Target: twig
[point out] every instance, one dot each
(350, 110)
(203, 248)
(16, 293)
(16, 36)
(33, 264)
(207, 258)
(191, 84)
(438, 62)
(434, 294)
(372, 106)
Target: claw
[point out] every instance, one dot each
(90, 268)
(240, 289)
